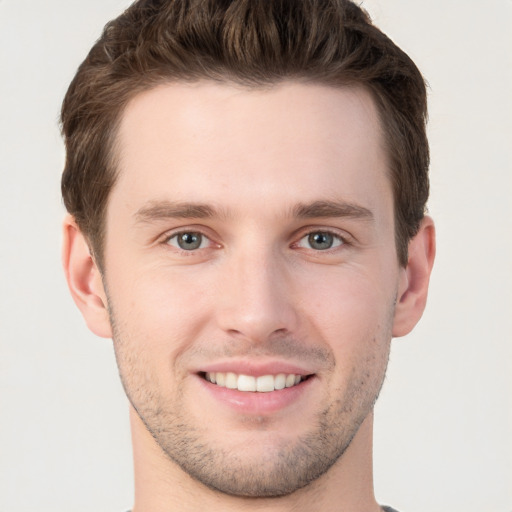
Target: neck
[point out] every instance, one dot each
(162, 486)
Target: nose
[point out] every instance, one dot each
(256, 299)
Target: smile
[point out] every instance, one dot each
(262, 384)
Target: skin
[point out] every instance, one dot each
(252, 173)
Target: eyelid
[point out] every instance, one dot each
(337, 243)
(204, 241)
(342, 235)
(168, 235)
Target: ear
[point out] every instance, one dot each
(84, 279)
(414, 279)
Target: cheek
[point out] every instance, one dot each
(159, 312)
(352, 311)
(356, 323)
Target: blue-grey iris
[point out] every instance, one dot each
(189, 241)
(321, 240)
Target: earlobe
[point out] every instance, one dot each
(84, 279)
(414, 279)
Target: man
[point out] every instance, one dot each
(246, 185)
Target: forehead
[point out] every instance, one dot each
(220, 143)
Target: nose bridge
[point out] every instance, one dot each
(255, 300)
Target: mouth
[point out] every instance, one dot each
(250, 383)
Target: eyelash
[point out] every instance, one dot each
(168, 238)
(339, 241)
(336, 236)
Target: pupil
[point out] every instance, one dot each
(320, 241)
(189, 241)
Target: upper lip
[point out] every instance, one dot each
(253, 368)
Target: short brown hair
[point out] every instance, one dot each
(250, 42)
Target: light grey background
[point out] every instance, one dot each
(444, 420)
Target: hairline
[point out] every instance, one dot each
(97, 234)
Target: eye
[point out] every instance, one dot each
(188, 241)
(320, 241)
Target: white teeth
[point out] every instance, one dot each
(290, 381)
(231, 381)
(262, 384)
(246, 383)
(220, 379)
(265, 383)
(280, 381)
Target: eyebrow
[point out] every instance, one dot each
(331, 209)
(161, 210)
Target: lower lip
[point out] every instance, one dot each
(257, 403)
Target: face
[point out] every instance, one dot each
(251, 276)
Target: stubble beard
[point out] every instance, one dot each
(288, 467)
